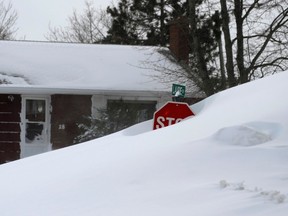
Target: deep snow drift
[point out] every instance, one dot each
(230, 159)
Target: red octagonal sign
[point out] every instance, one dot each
(171, 113)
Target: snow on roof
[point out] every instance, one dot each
(79, 66)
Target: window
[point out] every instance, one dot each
(35, 121)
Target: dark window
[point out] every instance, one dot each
(35, 110)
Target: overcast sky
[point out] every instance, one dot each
(34, 16)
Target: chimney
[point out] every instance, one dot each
(179, 39)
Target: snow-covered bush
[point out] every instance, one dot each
(117, 116)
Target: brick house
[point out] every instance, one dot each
(47, 88)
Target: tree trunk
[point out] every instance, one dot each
(222, 64)
(162, 24)
(238, 4)
(207, 85)
(228, 44)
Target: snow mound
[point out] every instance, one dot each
(254, 133)
(137, 129)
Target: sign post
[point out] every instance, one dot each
(171, 113)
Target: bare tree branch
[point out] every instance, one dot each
(277, 23)
(88, 27)
(8, 19)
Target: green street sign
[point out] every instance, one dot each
(178, 90)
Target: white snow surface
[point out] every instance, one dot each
(231, 158)
(81, 66)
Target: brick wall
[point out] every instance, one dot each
(179, 39)
(10, 108)
(67, 112)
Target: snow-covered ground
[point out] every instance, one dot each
(230, 159)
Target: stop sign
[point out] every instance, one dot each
(171, 113)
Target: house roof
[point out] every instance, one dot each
(45, 66)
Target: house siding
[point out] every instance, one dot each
(67, 112)
(10, 108)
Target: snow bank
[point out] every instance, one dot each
(246, 135)
(230, 159)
